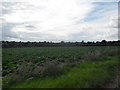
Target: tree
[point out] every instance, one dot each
(103, 41)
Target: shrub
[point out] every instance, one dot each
(10, 80)
(110, 52)
(53, 69)
(92, 55)
(100, 53)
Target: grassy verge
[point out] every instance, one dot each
(85, 75)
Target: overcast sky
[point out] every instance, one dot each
(59, 20)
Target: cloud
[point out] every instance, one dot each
(7, 31)
(56, 20)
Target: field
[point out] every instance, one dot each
(0, 68)
(59, 67)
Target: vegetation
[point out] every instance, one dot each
(87, 75)
(9, 44)
(0, 67)
(63, 67)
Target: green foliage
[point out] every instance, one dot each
(12, 57)
(86, 75)
(53, 69)
(57, 65)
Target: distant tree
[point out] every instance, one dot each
(97, 42)
(62, 41)
(10, 44)
(103, 41)
(89, 42)
(82, 41)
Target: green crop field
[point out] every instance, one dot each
(53, 67)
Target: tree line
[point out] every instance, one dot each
(13, 44)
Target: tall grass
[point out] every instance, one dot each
(86, 75)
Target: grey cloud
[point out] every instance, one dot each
(5, 11)
(12, 5)
(115, 23)
(8, 4)
(114, 35)
(30, 27)
(6, 31)
(79, 36)
(39, 36)
(9, 7)
(84, 35)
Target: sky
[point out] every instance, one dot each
(59, 20)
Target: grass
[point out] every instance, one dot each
(12, 57)
(86, 75)
(0, 82)
(58, 67)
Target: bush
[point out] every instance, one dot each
(25, 71)
(10, 80)
(92, 55)
(110, 52)
(53, 69)
(99, 54)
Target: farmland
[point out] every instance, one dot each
(51, 67)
